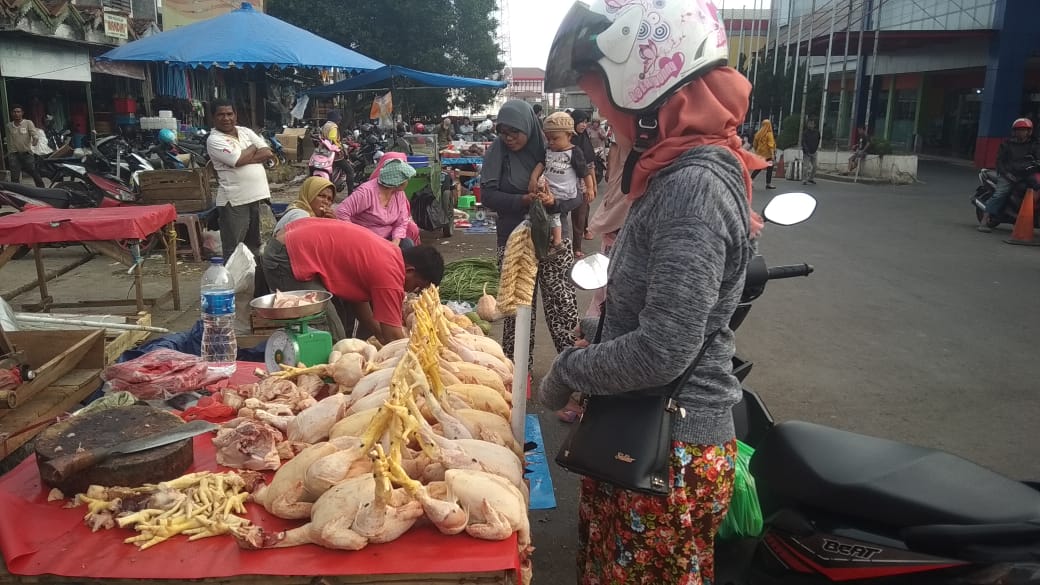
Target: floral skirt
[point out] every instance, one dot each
(627, 538)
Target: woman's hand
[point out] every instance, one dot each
(547, 199)
(529, 198)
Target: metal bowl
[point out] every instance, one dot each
(262, 306)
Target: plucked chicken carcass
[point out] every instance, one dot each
(313, 424)
(248, 444)
(350, 515)
(286, 496)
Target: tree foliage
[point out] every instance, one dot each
(456, 37)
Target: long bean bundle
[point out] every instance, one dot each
(464, 280)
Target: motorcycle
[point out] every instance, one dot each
(322, 164)
(601, 163)
(844, 507)
(987, 187)
(276, 147)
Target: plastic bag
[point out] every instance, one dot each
(744, 519)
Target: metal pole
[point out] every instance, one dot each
(808, 64)
(873, 66)
(740, 46)
(797, 56)
(827, 73)
(776, 41)
(859, 65)
(755, 32)
(844, 71)
(520, 357)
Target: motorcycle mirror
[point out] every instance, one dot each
(590, 272)
(790, 208)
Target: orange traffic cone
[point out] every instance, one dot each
(1023, 234)
(779, 171)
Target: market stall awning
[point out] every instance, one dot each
(383, 77)
(241, 37)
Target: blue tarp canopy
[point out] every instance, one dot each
(241, 37)
(383, 77)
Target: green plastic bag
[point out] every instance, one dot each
(744, 519)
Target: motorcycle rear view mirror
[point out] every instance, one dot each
(790, 208)
(590, 273)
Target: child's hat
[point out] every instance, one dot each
(558, 122)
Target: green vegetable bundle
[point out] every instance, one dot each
(464, 280)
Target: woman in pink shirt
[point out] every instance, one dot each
(381, 205)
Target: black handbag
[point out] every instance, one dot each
(626, 439)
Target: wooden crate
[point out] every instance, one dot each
(68, 366)
(188, 190)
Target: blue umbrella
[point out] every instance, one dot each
(241, 37)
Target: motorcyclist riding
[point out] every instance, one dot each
(1013, 159)
(330, 131)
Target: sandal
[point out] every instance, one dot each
(578, 254)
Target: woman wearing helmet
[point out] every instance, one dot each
(1014, 157)
(657, 71)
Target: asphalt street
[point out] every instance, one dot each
(913, 327)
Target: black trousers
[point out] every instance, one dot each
(769, 174)
(23, 161)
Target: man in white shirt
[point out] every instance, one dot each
(238, 156)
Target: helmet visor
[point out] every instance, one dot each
(574, 50)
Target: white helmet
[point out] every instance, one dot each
(646, 49)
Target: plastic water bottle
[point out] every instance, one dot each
(219, 346)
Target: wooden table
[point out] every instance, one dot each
(115, 232)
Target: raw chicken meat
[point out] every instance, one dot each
(287, 301)
(285, 496)
(248, 444)
(352, 514)
(313, 424)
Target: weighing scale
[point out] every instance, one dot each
(297, 343)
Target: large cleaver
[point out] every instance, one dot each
(61, 468)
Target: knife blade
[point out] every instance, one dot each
(61, 468)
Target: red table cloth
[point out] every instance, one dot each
(39, 537)
(49, 225)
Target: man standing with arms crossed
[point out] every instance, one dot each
(238, 156)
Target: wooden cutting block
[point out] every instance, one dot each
(106, 428)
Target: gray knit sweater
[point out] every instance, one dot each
(676, 275)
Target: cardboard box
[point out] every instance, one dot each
(292, 140)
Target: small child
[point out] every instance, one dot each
(564, 166)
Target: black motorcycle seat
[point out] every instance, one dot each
(990, 174)
(883, 481)
(53, 197)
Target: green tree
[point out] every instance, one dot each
(456, 37)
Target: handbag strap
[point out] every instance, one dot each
(685, 376)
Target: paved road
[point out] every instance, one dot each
(914, 327)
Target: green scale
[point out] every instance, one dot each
(296, 343)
